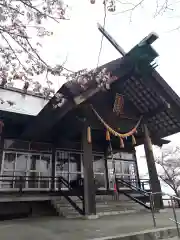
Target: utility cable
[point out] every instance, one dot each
(104, 23)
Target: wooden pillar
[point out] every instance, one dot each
(53, 169)
(154, 181)
(106, 168)
(89, 186)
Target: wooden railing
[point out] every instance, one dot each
(135, 186)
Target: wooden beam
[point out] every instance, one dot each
(147, 40)
(89, 186)
(154, 181)
(111, 40)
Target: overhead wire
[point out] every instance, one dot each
(101, 44)
(104, 24)
(100, 50)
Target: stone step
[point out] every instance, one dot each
(104, 205)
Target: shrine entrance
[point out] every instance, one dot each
(125, 168)
(68, 165)
(99, 171)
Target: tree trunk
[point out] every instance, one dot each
(176, 200)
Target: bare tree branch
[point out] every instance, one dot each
(170, 168)
(131, 7)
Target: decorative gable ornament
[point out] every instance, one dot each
(118, 104)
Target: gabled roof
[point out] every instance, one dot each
(142, 86)
(147, 95)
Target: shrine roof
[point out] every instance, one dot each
(153, 99)
(146, 94)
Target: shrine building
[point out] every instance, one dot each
(81, 142)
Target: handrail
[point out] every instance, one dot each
(151, 196)
(59, 179)
(173, 207)
(174, 221)
(144, 193)
(66, 183)
(175, 197)
(131, 186)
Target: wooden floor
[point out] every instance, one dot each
(36, 195)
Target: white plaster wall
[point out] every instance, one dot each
(24, 104)
(23, 163)
(99, 166)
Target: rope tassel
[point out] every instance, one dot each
(112, 131)
(89, 139)
(121, 143)
(107, 136)
(133, 140)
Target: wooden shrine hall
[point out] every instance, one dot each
(82, 142)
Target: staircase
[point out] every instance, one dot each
(126, 201)
(105, 205)
(65, 209)
(109, 205)
(136, 194)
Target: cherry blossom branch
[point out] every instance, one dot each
(41, 13)
(2, 29)
(12, 50)
(10, 7)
